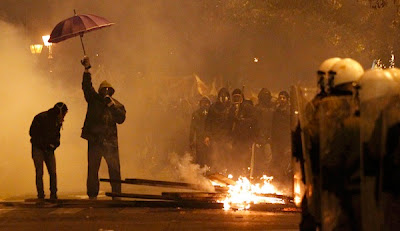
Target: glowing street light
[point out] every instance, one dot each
(36, 48)
(47, 44)
(255, 59)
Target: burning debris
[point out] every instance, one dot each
(226, 193)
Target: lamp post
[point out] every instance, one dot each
(48, 45)
(36, 48)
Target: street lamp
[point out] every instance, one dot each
(36, 48)
(47, 44)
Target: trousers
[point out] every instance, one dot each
(96, 151)
(47, 156)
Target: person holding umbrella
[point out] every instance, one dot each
(100, 130)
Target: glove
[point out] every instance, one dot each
(86, 63)
(109, 101)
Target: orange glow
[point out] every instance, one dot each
(36, 48)
(241, 195)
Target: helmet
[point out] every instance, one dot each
(395, 73)
(376, 83)
(344, 71)
(325, 67)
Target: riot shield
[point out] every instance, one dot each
(301, 111)
(380, 118)
(339, 161)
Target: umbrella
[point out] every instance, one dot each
(77, 25)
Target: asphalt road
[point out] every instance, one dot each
(88, 218)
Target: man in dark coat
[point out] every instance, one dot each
(197, 132)
(281, 144)
(264, 111)
(243, 131)
(100, 130)
(45, 138)
(218, 129)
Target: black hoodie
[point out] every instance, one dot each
(45, 130)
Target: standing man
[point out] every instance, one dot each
(217, 131)
(242, 115)
(197, 133)
(280, 141)
(264, 111)
(100, 130)
(45, 138)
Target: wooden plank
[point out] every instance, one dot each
(166, 184)
(196, 196)
(221, 178)
(136, 196)
(160, 183)
(283, 197)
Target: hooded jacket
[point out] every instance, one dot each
(101, 121)
(45, 130)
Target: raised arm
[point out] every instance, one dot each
(87, 85)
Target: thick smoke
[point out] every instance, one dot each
(151, 56)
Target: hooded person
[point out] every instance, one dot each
(197, 132)
(45, 139)
(218, 129)
(264, 110)
(243, 132)
(100, 130)
(280, 141)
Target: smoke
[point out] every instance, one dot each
(190, 172)
(26, 92)
(150, 56)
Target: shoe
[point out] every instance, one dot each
(92, 198)
(53, 197)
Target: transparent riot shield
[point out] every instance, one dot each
(379, 138)
(301, 114)
(338, 156)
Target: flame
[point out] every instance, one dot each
(243, 194)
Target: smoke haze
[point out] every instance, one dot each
(151, 56)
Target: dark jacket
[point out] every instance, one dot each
(218, 124)
(45, 130)
(264, 113)
(100, 122)
(197, 126)
(244, 122)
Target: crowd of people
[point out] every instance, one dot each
(237, 136)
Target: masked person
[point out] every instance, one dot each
(197, 132)
(264, 111)
(45, 139)
(217, 129)
(100, 130)
(280, 141)
(243, 117)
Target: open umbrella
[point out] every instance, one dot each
(77, 25)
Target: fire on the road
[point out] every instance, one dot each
(243, 193)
